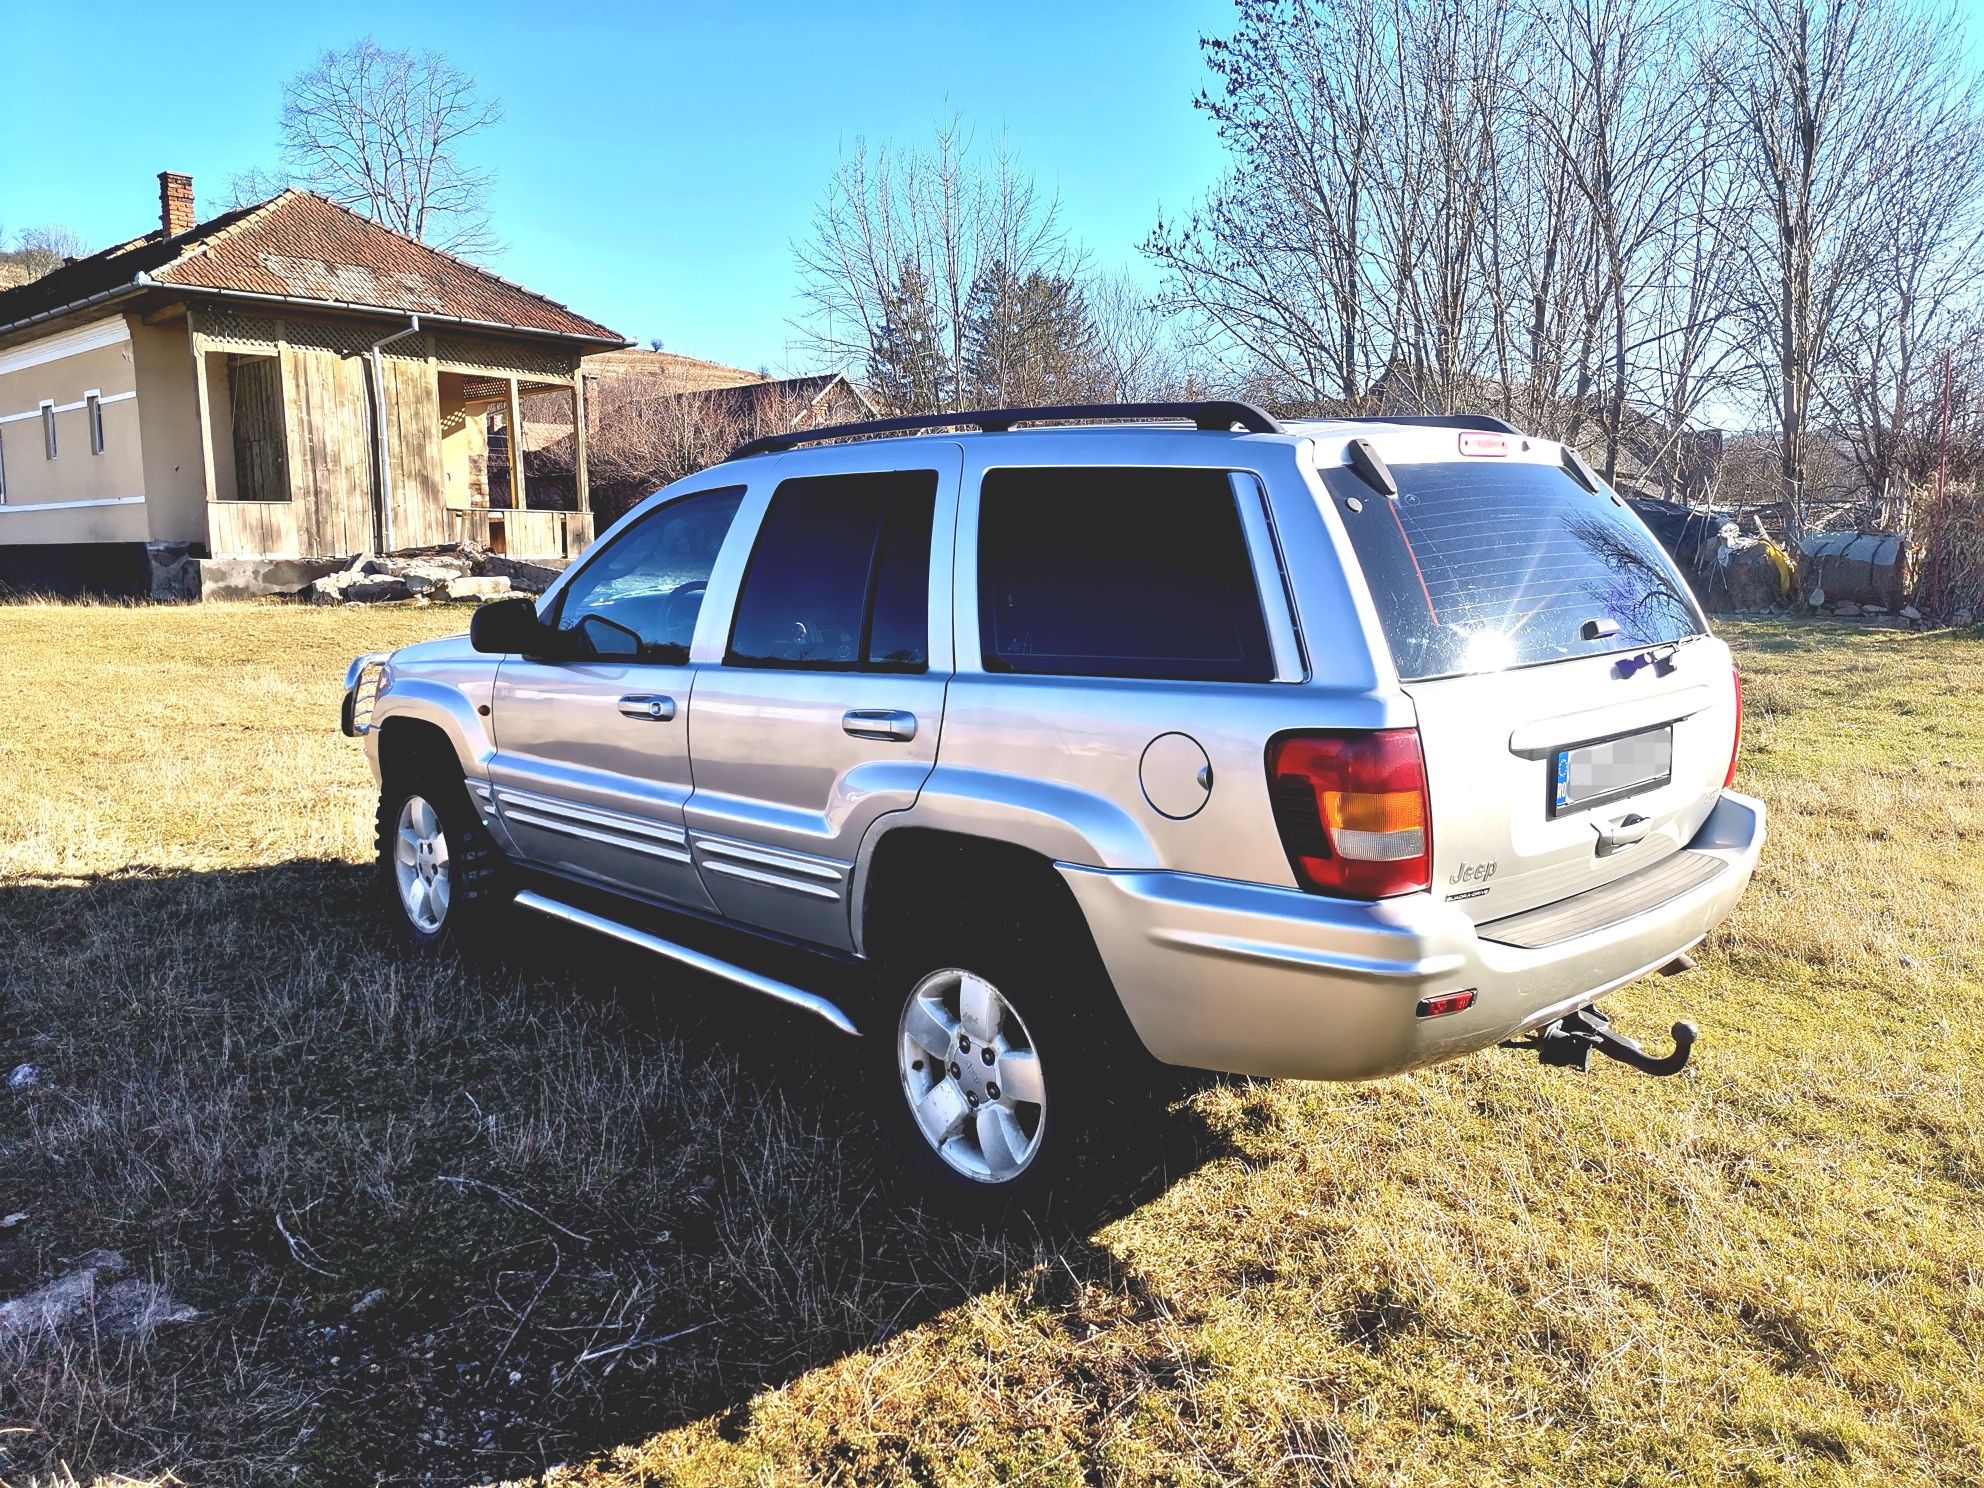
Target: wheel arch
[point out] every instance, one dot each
(904, 859)
(907, 858)
(408, 742)
(418, 709)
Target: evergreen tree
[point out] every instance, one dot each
(907, 368)
(1028, 339)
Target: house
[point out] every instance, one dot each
(246, 401)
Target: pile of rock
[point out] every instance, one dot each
(454, 573)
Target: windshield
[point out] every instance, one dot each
(1478, 566)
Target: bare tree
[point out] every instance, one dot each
(1275, 267)
(253, 186)
(383, 131)
(645, 432)
(1922, 263)
(37, 251)
(1608, 220)
(1824, 87)
(1135, 355)
(898, 244)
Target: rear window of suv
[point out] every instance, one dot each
(1478, 566)
(1105, 572)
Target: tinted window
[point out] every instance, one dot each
(638, 598)
(1118, 573)
(840, 576)
(1481, 565)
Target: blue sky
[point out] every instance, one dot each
(656, 161)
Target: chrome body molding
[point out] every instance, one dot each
(616, 829)
(695, 960)
(800, 873)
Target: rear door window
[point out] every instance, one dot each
(1479, 566)
(1102, 572)
(839, 579)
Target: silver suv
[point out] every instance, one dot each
(1037, 755)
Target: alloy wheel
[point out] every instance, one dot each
(972, 1076)
(420, 865)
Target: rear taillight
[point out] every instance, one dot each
(1352, 811)
(1736, 738)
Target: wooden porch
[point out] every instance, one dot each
(315, 445)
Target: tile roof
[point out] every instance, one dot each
(301, 246)
(678, 372)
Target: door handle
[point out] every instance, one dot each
(652, 706)
(1622, 833)
(879, 723)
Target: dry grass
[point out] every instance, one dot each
(1767, 1271)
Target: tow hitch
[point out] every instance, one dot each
(1569, 1042)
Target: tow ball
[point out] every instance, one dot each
(1570, 1041)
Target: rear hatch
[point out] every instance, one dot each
(1576, 716)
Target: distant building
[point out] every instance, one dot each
(653, 416)
(287, 383)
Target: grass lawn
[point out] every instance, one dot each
(580, 1217)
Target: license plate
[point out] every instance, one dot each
(1586, 775)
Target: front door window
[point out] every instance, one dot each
(638, 598)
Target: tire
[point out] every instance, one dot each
(996, 1129)
(441, 871)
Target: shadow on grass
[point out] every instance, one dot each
(449, 1222)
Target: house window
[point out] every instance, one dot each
(48, 427)
(93, 406)
(254, 417)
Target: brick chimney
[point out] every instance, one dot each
(175, 202)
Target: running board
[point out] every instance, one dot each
(798, 997)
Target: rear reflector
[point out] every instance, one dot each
(1736, 740)
(1446, 1002)
(1352, 811)
(1475, 443)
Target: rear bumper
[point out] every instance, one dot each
(1259, 980)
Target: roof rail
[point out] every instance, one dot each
(1485, 422)
(1211, 415)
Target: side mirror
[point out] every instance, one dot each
(507, 626)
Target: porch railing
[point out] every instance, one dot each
(523, 533)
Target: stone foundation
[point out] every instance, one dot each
(255, 578)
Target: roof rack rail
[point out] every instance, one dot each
(1487, 423)
(1215, 414)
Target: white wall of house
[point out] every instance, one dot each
(81, 382)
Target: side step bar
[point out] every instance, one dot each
(695, 960)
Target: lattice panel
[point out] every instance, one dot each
(235, 329)
(338, 336)
(499, 356)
